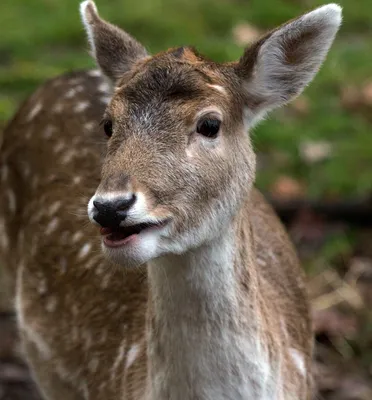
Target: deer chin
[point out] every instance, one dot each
(134, 244)
(124, 235)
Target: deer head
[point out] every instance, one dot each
(179, 160)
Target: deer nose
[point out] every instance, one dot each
(110, 213)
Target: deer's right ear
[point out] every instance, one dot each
(115, 51)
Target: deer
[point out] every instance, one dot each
(143, 261)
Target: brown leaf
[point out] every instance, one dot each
(287, 188)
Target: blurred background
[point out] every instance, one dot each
(315, 156)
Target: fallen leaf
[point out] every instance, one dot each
(287, 188)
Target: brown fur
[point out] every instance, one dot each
(85, 321)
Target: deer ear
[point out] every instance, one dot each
(278, 67)
(114, 50)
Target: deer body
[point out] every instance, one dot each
(205, 299)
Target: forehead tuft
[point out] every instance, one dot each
(176, 73)
(186, 54)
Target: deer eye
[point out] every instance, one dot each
(107, 127)
(208, 127)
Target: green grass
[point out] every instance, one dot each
(42, 38)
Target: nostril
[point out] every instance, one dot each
(101, 207)
(124, 204)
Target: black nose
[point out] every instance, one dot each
(109, 213)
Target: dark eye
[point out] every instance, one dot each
(107, 127)
(208, 127)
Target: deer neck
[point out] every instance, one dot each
(204, 340)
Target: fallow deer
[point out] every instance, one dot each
(193, 289)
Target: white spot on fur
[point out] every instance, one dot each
(87, 338)
(102, 386)
(85, 389)
(52, 226)
(105, 281)
(4, 241)
(77, 236)
(75, 310)
(74, 81)
(48, 132)
(51, 304)
(100, 270)
(93, 365)
(26, 170)
(79, 88)
(30, 332)
(58, 108)
(77, 180)
(95, 72)
(42, 287)
(67, 157)
(84, 251)
(119, 359)
(71, 93)
(11, 201)
(34, 112)
(105, 99)
(298, 360)
(104, 87)
(63, 265)
(103, 336)
(59, 146)
(92, 263)
(82, 106)
(89, 126)
(54, 207)
(132, 355)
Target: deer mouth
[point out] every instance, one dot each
(116, 237)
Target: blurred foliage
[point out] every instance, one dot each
(42, 38)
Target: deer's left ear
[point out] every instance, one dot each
(279, 66)
(115, 51)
